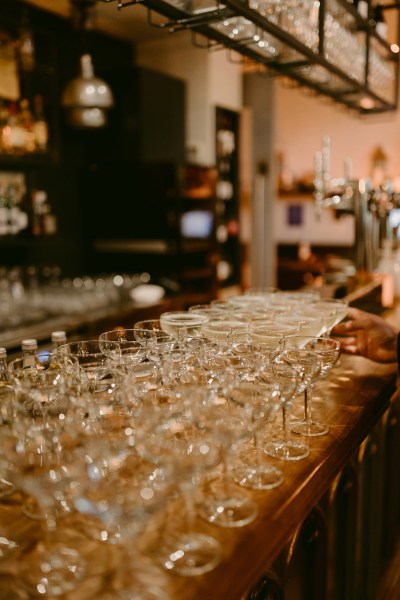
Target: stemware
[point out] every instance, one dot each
(148, 325)
(182, 323)
(308, 324)
(120, 495)
(95, 359)
(334, 311)
(54, 565)
(223, 504)
(177, 435)
(303, 355)
(283, 446)
(259, 402)
(132, 349)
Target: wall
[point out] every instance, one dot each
(301, 122)
(211, 80)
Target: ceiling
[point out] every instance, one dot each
(129, 23)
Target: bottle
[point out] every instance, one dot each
(4, 374)
(29, 347)
(40, 126)
(15, 128)
(58, 338)
(27, 124)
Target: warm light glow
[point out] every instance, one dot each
(395, 48)
(367, 103)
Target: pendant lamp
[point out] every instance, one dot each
(87, 98)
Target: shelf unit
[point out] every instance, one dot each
(195, 229)
(327, 46)
(227, 197)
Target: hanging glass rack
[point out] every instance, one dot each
(325, 45)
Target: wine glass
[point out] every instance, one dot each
(259, 401)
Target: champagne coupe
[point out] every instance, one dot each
(94, 358)
(54, 565)
(223, 504)
(7, 487)
(148, 325)
(308, 324)
(221, 331)
(284, 446)
(334, 310)
(259, 402)
(182, 323)
(119, 495)
(132, 350)
(178, 436)
(302, 354)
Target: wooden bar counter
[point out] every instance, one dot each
(283, 554)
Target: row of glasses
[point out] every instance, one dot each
(184, 396)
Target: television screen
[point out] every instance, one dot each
(197, 224)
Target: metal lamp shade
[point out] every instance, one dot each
(87, 98)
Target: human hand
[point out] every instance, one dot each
(368, 335)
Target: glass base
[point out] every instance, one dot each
(190, 554)
(229, 510)
(310, 428)
(252, 471)
(53, 570)
(287, 449)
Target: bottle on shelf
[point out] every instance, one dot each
(4, 374)
(40, 127)
(44, 222)
(27, 124)
(16, 132)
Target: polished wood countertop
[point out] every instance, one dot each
(350, 401)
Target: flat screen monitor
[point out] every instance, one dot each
(197, 224)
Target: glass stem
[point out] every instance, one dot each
(285, 422)
(188, 500)
(307, 403)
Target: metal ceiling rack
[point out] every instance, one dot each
(325, 45)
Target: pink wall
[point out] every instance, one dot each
(302, 120)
